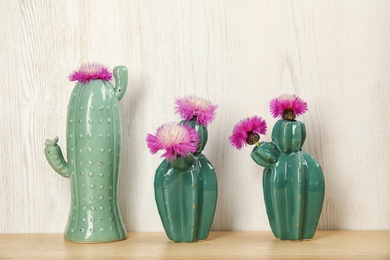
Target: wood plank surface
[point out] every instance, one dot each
(220, 245)
(239, 54)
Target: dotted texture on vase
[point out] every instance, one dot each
(93, 148)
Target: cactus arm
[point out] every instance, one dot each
(120, 75)
(202, 131)
(265, 154)
(55, 158)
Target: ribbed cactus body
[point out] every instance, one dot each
(293, 182)
(209, 196)
(202, 131)
(93, 150)
(209, 182)
(178, 193)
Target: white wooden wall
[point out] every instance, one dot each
(237, 53)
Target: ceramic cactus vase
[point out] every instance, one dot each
(93, 151)
(178, 192)
(293, 182)
(208, 178)
(178, 185)
(197, 113)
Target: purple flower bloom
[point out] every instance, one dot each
(177, 140)
(194, 108)
(287, 107)
(90, 71)
(247, 131)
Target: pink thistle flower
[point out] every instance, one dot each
(287, 107)
(194, 108)
(177, 140)
(90, 71)
(248, 131)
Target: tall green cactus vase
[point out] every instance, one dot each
(209, 182)
(293, 182)
(93, 151)
(178, 193)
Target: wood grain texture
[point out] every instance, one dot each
(220, 245)
(239, 54)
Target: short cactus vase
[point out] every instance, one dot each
(208, 177)
(178, 193)
(293, 182)
(93, 151)
(178, 186)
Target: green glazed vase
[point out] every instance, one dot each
(93, 149)
(178, 193)
(293, 182)
(209, 182)
(186, 193)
